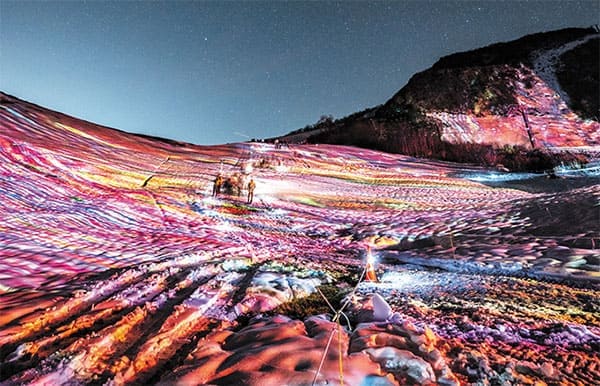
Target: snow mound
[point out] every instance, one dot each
(280, 350)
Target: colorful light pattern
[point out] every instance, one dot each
(117, 266)
(540, 107)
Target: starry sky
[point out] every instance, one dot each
(219, 72)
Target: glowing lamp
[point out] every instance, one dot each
(370, 274)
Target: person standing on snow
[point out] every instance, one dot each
(217, 185)
(251, 186)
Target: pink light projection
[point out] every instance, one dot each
(119, 267)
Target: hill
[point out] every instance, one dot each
(118, 265)
(514, 103)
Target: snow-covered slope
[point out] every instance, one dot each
(546, 63)
(117, 265)
(540, 109)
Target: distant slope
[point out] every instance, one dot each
(41, 122)
(541, 91)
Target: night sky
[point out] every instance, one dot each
(217, 72)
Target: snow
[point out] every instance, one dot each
(551, 123)
(381, 310)
(546, 61)
(491, 176)
(109, 282)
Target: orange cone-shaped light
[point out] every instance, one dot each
(370, 274)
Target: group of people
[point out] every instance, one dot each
(280, 144)
(219, 182)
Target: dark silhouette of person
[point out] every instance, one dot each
(217, 185)
(251, 186)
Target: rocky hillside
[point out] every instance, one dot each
(505, 103)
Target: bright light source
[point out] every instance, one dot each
(370, 274)
(370, 258)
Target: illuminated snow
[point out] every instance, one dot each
(105, 280)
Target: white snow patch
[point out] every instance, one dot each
(545, 63)
(381, 309)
